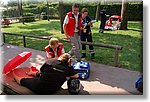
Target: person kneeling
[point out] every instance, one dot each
(54, 49)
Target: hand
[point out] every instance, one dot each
(32, 73)
(67, 38)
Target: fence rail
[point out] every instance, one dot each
(115, 47)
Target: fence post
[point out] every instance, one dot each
(24, 41)
(116, 57)
(3, 37)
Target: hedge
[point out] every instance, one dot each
(135, 11)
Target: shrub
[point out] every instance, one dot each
(29, 17)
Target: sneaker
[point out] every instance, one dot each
(83, 55)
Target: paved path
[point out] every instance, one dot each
(103, 79)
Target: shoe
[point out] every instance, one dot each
(93, 56)
(83, 55)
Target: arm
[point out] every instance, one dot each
(74, 76)
(66, 20)
(64, 28)
(48, 55)
(34, 73)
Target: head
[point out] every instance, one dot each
(75, 8)
(53, 42)
(104, 8)
(66, 58)
(73, 86)
(84, 12)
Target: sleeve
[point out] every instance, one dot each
(71, 71)
(66, 20)
(89, 19)
(63, 50)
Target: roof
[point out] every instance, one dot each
(116, 16)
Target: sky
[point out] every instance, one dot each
(4, 1)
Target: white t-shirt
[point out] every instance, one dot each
(66, 21)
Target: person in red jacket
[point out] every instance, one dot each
(72, 27)
(54, 49)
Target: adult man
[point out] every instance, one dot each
(72, 27)
(102, 19)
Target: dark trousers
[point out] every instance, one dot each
(88, 38)
(102, 25)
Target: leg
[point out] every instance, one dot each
(103, 26)
(76, 43)
(83, 38)
(100, 28)
(17, 78)
(91, 48)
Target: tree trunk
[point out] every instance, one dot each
(98, 11)
(21, 12)
(61, 15)
(124, 15)
(47, 10)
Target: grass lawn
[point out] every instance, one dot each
(130, 56)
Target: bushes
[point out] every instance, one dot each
(29, 17)
(135, 11)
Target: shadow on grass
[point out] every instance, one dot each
(52, 25)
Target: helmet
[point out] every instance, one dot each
(73, 86)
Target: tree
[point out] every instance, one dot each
(47, 10)
(20, 10)
(61, 14)
(124, 15)
(98, 11)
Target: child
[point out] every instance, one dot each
(86, 33)
(54, 49)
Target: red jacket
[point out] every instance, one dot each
(70, 27)
(51, 52)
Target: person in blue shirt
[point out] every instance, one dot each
(86, 34)
(102, 19)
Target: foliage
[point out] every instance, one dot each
(29, 17)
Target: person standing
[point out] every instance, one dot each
(102, 19)
(86, 33)
(72, 28)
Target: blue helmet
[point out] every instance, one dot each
(73, 86)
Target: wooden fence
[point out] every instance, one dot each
(115, 47)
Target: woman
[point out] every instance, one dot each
(86, 34)
(54, 49)
(51, 77)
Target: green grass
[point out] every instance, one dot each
(130, 56)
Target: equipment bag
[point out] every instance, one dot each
(83, 69)
(139, 84)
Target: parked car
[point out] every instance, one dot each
(113, 23)
(5, 21)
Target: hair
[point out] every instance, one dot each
(84, 10)
(66, 58)
(75, 5)
(53, 41)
